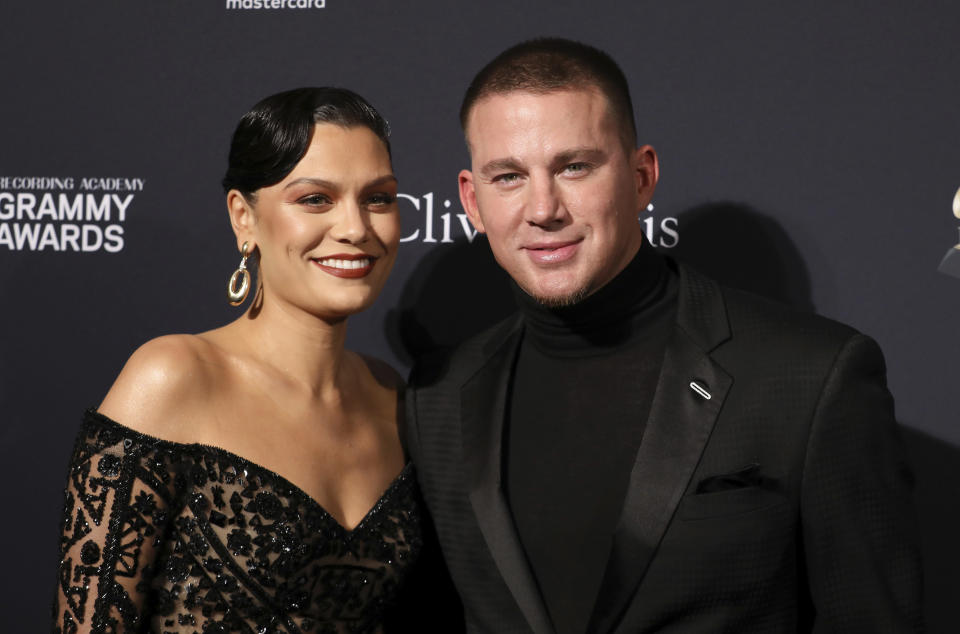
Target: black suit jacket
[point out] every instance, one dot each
(769, 493)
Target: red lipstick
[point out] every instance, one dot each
(346, 265)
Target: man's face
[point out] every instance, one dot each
(555, 189)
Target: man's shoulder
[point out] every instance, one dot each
(767, 325)
(747, 309)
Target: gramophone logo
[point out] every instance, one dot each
(951, 261)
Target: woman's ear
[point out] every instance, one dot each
(242, 219)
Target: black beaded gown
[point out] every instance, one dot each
(160, 536)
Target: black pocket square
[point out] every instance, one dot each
(746, 477)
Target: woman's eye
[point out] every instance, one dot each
(315, 200)
(381, 200)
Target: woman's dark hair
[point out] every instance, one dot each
(274, 135)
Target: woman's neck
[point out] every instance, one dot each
(306, 349)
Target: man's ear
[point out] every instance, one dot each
(646, 173)
(242, 219)
(468, 198)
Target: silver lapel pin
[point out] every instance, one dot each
(699, 389)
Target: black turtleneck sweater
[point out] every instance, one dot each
(582, 388)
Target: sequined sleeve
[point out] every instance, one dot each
(117, 501)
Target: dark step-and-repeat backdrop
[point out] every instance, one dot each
(810, 152)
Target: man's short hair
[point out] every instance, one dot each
(546, 65)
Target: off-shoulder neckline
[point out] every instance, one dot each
(248, 465)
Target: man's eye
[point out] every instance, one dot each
(506, 178)
(315, 200)
(576, 168)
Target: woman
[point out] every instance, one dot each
(251, 478)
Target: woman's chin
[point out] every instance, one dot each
(331, 305)
(338, 311)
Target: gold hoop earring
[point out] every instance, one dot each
(236, 295)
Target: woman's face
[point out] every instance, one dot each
(328, 233)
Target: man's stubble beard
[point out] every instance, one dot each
(560, 301)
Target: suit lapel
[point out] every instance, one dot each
(482, 413)
(678, 427)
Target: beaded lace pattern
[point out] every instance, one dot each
(168, 537)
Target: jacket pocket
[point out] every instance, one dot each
(726, 503)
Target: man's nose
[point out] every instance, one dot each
(544, 205)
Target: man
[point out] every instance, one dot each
(640, 449)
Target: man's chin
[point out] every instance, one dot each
(559, 300)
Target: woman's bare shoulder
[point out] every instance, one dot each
(161, 381)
